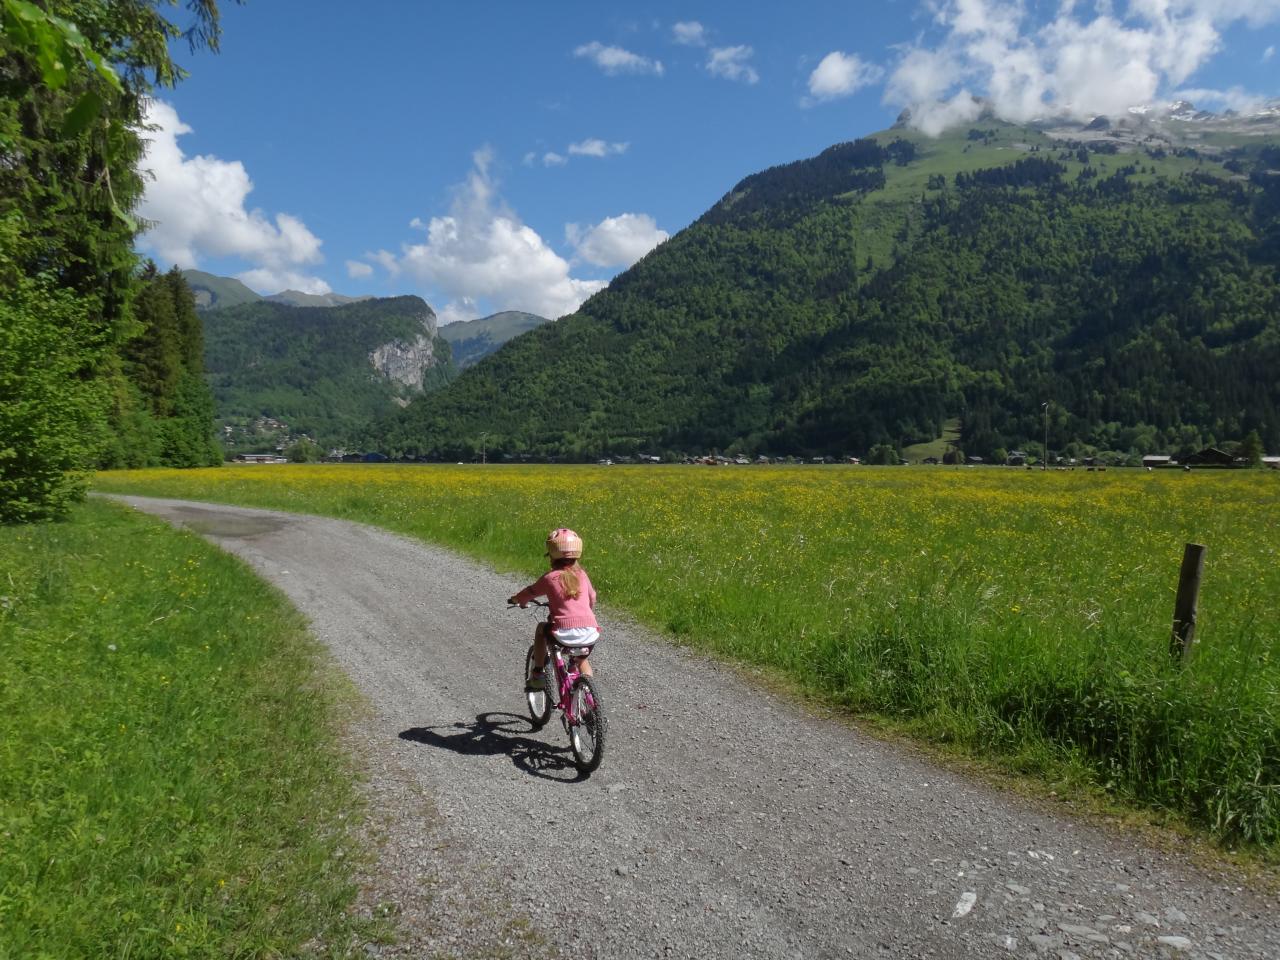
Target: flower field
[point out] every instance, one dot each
(1023, 614)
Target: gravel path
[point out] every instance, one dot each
(724, 822)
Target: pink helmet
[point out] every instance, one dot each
(562, 543)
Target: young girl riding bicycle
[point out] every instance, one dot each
(571, 598)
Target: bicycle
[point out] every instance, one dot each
(567, 689)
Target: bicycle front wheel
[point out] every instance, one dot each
(538, 701)
(586, 734)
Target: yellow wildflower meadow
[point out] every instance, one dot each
(995, 606)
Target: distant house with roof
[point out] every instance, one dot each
(1272, 462)
(1211, 457)
(1151, 460)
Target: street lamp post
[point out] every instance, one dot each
(483, 437)
(1044, 453)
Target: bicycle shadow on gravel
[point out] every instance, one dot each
(498, 734)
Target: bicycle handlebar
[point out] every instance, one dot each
(536, 603)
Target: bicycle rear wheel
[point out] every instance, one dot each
(586, 735)
(538, 701)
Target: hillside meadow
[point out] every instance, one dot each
(1019, 614)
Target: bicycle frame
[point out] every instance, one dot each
(568, 670)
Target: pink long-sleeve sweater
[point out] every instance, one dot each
(565, 611)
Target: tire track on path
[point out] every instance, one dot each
(724, 822)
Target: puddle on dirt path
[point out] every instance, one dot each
(229, 526)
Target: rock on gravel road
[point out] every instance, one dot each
(724, 822)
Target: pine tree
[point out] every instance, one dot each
(1251, 449)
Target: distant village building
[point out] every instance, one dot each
(1016, 458)
(1272, 462)
(258, 458)
(1157, 460)
(1211, 457)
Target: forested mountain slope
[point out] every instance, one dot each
(867, 295)
(323, 371)
(473, 340)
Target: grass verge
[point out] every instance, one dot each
(170, 783)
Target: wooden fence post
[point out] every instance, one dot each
(1184, 608)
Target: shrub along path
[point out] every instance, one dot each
(724, 821)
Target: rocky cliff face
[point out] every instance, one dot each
(406, 362)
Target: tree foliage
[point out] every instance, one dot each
(163, 414)
(73, 75)
(50, 413)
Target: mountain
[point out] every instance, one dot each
(296, 298)
(889, 286)
(1179, 125)
(473, 340)
(280, 371)
(214, 292)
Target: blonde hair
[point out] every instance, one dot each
(568, 577)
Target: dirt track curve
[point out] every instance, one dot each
(724, 822)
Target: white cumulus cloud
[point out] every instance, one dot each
(1082, 61)
(388, 260)
(593, 147)
(358, 270)
(841, 74)
(553, 159)
(197, 209)
(689, 33)
(1268, 53)
(614, 60)
(616, 241)
(731, 63)
(481, 255)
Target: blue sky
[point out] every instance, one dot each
(517, 155)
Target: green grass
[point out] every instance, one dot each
(937, 447)
(1017, 615)
(170, 784)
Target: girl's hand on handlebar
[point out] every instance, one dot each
(513, 602)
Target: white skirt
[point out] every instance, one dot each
(576, 636)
